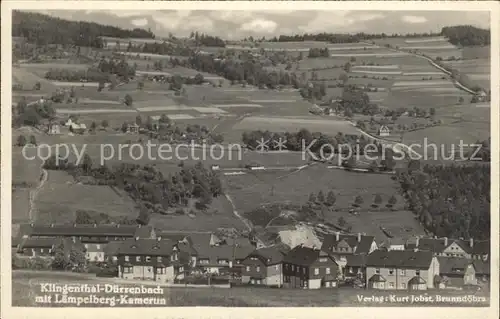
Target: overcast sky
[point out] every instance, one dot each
(239, 24)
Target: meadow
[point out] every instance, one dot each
(25, 285)
(254, 190)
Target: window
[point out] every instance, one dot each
(86, 246)
(327, 270)
(98, 246)
(127, 270)
(88, 255)
(304, 270)
(403, 272)
(127, 258)
(148, 258)
(277, 267)
(286, 266)
(391, 285)
(293, 267)
(138, 258)
(160, 271)
(258, 268)
(391, 272)
(181, 269)
(417, 272)
(41, 250)
(316, 271)
(323, 259)
(403, 285)
(377, 271)
(158, 259)
(204, 261)
(248, 268)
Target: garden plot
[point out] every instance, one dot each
(237, 105)
(208, 110)
(293, 124)
(376, 67)
(429, 47)
(81, 84)
(374, 54)
(166, 108)
(376, 72)
(153, 73)
(410, 84)
(93, 111)
(426, 40)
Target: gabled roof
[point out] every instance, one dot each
(417, 280)
(303, 256)
(362, 247)
(49, 243)
(268, 255)
(356, 260)
(377, 278)
(112, 248)
(481, 247)
(224, 252)
(83, 230)
(437, 245)
(400, 259)
(147, 247)
(453, 265)
(199, 240)
(482, 267)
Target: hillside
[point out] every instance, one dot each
(43, 29)
(467, 35)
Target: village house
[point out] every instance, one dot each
(447, 247)
(149, 259)
(94, 252)
(309, 268)
(43, 247)
(53, 129)
(264, 267)
(401, 270)
(482, 269)
(133, 128)
(455, 273)
(349, 251)
(222, 259)
(384, 131)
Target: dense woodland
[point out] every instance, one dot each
(344, 38)
(451, 200)
(154, 192)
(467, 35)
(43, 29)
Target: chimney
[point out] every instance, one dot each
(359, 237)
(95, 225)
(74, 225)
(337, 236)
(136, 238)
(117, 225)
(471, 242)
(140, 225)
(32, 225)
(158, 238)
(417, 241)
(52, 225)
(446, 241)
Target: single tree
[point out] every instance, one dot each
(358, 201)
(330, 198)
(321, 197)
(128, 100)
(341, 221)
(392, 201)
(377, 200)
(21, 140)
(312, 198)
(33, 140)
(138, 120)
(105, 123)
(93, 126)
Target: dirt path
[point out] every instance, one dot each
(34, 193)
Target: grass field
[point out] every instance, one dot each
(61, 197)
(26, 285)
(262, 188)
(281, 124)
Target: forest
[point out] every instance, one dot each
(344, 38)
(467, 35)
(452, 200)
(43, 29)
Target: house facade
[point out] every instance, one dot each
(349, 252)
(401, 270)
(263, 267)
(455, 272)
(148, 259)
(309, 268)
(448, 247)
(384, 131)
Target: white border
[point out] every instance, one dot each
(219, 312)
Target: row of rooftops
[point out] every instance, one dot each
(145, 240)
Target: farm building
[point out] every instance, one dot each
(456, 272)
(384, 131)
(133, 128)
(53, 129)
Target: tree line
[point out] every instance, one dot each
(43, 29)
(344, 38)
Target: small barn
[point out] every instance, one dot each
(384, 131)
